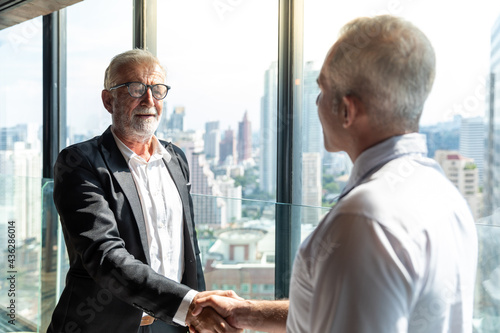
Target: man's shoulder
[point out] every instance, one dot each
(87, 148)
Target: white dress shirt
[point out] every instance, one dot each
(163, 215)
(397, 253)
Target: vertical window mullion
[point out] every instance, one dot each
(288, 150)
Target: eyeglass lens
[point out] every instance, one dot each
(138, 89)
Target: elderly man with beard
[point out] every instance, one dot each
(127, 217)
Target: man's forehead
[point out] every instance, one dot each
(142, 71)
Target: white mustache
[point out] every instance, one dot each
(144, 111)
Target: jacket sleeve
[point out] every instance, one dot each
(89, 211)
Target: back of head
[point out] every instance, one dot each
(129, 58)
(389, 64)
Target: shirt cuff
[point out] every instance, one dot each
(180, 315)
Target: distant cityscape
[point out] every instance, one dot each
(233, 176)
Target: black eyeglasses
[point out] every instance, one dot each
(138, 89)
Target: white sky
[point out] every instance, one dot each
(216, 56)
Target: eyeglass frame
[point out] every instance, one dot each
(148, 86)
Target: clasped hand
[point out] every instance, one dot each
(214, 311)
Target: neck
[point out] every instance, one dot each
(142, 146)
(370, 140)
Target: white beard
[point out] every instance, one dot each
(136, 128)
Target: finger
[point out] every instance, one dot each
(232, 294)
(216, 302)
(197, 310)
(225, 293)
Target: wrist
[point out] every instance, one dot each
(249, 314)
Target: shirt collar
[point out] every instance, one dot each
(158, 149)
(375, 157)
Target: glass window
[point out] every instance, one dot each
(220, 58)
(21, 100)
(90, 48)
(460, 118)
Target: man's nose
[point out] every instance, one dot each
(147, 99)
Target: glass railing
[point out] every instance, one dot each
(236, 238)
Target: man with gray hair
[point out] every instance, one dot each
(127, 216)
(398, 251)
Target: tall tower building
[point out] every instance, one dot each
(209, 208)
(311, 188)
(211, 140)
(268, 135)
(228, 147)
(312, 147)
(21, 165)
(472, 142)
(312, 133)
(491, 188)
(244, 145)
(176, 121)
(232, 197)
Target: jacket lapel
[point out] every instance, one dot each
(119, 168)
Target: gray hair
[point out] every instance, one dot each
(389, 64)
(132, 57)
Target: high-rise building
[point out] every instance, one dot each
(244, 145)
(311, 187)
(312, 132)
(491, 188)
(232, 197)
(21, 169)
(312, 147)
(211, 140)
(268, 135)
(472, 142)
(176, 121)
(209, 207)
(464, 174)
(227, 148)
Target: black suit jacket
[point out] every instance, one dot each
(110, 282)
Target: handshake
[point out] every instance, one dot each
(225, 312)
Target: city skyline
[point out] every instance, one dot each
(206, 97)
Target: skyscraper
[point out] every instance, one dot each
(312, 147)
(312, 133)
(311, 187)
(228, 148)
(244, 145)
(472, 142)
(492, 158)
(176, 121)
(211, 140)
(209, 208)
(268, 135)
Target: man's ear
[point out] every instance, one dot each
(107, 100)
(350, 109)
